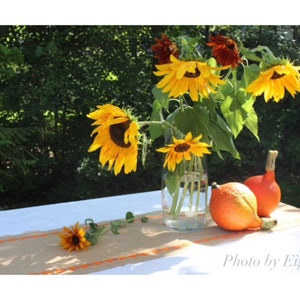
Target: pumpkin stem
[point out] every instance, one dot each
(270, 165)
(268, 223)
(214, 185)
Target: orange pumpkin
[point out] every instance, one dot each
(265, 187)
(233, 207)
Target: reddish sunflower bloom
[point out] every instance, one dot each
(164, 48)
(225, 50)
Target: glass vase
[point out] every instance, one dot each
(185, 195)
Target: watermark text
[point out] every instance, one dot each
(268, 261)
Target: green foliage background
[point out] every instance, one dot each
(52, 76)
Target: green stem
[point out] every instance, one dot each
(191, 195)
(225, 78)
(145, 123)
(175, 199)
(162, 122)
(234, 77)
(192, 169)
(199, 166)
(181, 101)
(190, 174)
(183, 195)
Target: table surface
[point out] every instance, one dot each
(269, 252)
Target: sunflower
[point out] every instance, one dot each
(117, 136)
(182, 149)
(274, 81)
(74, 238)
(225, 50)
(164, 48)
(194, 77)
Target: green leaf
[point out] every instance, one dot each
(237, 109)
(222, 137)
(251, 121)
(162, 98)
(194, 119)
(156, 130)
(250, 73)
(114, 226)
(233, 116)
(90, 222)
(249, 54)
(171, 182)
(129, 217)
(144, 219)
(92, 238)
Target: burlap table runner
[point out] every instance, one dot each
(40, 252)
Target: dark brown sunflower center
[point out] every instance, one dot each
(230, 45)
(117, 132)
(182, 147)
(192, 75)
(276, 75)
(75, 240)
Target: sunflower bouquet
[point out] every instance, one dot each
(203, 99)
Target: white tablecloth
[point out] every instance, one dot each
(268, 256)
(52, 216)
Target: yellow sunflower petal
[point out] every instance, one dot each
(117, 138)
(192, 77)
(181, 149)
(274, 81)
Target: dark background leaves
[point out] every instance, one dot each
(52, 76)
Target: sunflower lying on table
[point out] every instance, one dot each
(78, 238)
